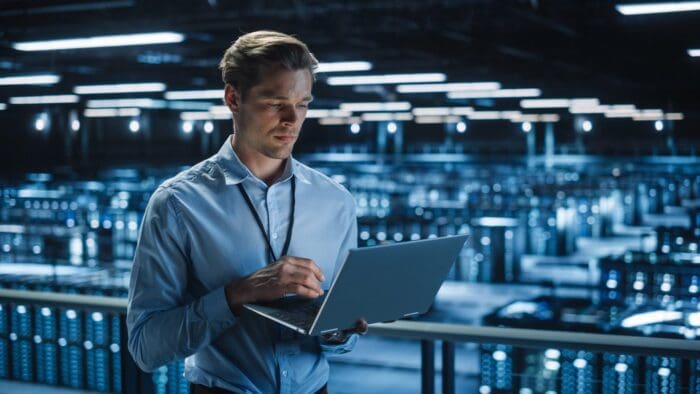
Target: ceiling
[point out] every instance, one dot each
(565, 48)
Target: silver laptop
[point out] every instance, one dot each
(377, 283)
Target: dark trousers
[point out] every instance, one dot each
(199, 389)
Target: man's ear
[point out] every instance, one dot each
(232, 98)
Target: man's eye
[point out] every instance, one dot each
(275, 105)
(303, 105)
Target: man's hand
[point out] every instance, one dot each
(341, 336)
(287, 275)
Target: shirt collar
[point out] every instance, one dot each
(236, 172)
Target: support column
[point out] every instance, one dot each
(549, 144)
(427, 351)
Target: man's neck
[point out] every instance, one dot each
(264, 168)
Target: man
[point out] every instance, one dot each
(248, 224)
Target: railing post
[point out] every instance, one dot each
(427, 352)
(448, 367)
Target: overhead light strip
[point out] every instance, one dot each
(367, 107)
(432, 119)
(441, 111)
(332, 67)
(559, 103)
(166, 37)
(385, 79)
(327, 113)
(3, 106)
(386, 116)
(52, 99)
(335, 121)
(120, 88)
(501, 93)
(657, 8)
(195, 94)
(694, 52)
(448, 87)
(111, 112)
(122, 103)
(43, 79)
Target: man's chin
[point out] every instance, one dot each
(279, 154)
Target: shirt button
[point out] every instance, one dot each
(284, 373)
(274, 235)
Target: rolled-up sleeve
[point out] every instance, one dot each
(164, 322)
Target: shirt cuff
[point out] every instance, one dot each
(339, 348)
(215, 307)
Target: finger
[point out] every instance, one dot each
(310, 264)
(302, 291)
(361, 327)
(304, 278)
(301, 275)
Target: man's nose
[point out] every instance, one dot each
(289, 115)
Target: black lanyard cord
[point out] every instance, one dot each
(254, 212)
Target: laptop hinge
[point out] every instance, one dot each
(411, 314)
(327, 331)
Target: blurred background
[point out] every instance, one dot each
(562, 135)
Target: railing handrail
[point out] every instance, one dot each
(77, 301)
(521, 337)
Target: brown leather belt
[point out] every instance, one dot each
(200, 389)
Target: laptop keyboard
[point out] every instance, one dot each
(297, 311)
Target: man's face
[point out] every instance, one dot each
(269, 117)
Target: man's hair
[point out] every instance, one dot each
(251, 55)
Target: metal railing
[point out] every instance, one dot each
(426, 332)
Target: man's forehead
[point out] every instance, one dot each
(283, 83)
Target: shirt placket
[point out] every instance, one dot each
(273, 221)
(276, 240)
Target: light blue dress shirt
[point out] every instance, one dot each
(198, 235)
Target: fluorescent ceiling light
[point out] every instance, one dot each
(694, 52)
(647, 113)
(121, 103)
(386, 79)
(484, 115)
(195, 94)
(442, 111)
(431, 111)
(535, 118)
(189, 105)
(101, 41)
(45, 79)
(447, 87)
(548, 118)
(584, 102)
(120, 88)
(334, 121)
(437, 119)
(653, 317)
(361, 107)
(501, 93)
(601, 108)
(545, 103)
(559, 103)
(385, 116)
(658, 8)
(3, 106)
(111, 112)
(327, 113)
(333, 67)
(54, 99)
(195, 115)
(461, 110)
(674, 116)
